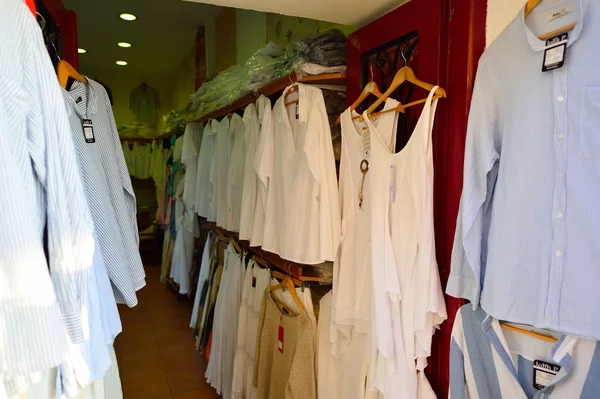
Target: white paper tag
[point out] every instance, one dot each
(365, 141)
(554, 55)
(558, 14)
(392, 183)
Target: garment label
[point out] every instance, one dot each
(392, 183)
(365, 143)
(88, 131)
(280, 339)
(555, 53)
(543, 373)
(298, 110)
(558, 14)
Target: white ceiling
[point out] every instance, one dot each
(346, 12)
(162, 35)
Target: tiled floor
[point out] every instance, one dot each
(156, 353)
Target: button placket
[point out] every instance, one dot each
(559, 83)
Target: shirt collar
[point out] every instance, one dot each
(538, 45)
(562, 352)
(92, 98)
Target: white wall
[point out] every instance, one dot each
(499, 14)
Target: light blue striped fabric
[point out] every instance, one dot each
(527, 244)
(41, 187)
(108, 188)
(487, 361)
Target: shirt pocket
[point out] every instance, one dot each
(589, 134)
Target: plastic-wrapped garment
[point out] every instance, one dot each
(136, 130)
(327, 49)
(173, 120)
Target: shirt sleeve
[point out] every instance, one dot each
(68, 220)
(482, 153)
(458, 382)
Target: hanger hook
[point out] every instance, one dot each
(55, 49)
(43, 26)
(290, 78)
(404, 57)
(372, 75)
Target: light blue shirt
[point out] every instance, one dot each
(527, 244)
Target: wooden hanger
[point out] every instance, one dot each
(531, 4)
(399, 108)
(64, 70)
(405, 74)
(371, 88)
(289, 284)
(530, 333)
(292, 89)
(235, 245)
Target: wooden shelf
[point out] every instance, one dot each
(322, 273)
(273, 88)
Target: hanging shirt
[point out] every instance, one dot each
(204, 189)
(41, 187)
(263, 166)
(192, 140)
(235, 176)
(302, 222)
(408, 299)
(352, 285)
(488, 361)
(526, 244)
(108, 188)
(144, 103)
(250, 183)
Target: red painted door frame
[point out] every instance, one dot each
(67, 22)
(451, 40)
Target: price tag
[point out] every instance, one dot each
(88, 131)
(280, 337)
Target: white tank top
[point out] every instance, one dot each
(353, 288)
(408, 298)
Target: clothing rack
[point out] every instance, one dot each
(321, 274)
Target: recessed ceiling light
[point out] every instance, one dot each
(122, 63)
(127, 17)
(81, 50)
(124, 44)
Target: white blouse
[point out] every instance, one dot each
(235, 176)
(250, 184)
(302, 222)
(263, 164)
(204, 186)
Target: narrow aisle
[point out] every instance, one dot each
(156, 353)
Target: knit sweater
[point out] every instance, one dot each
(288, 370)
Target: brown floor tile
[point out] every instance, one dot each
(146, 388)
(144, 368)
(131, 350)
(179, 355)
(205, 393)
(187, 380)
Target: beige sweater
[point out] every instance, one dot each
(291, 374)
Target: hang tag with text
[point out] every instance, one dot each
(365, 141)
(298, 110)
(280, 339)
(543, 373)
(556, 52)
(88, 131)
(392, 183)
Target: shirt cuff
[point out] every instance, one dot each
(74, 327)
(463, 287)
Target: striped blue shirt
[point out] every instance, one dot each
(41, 187)
(108, 188)
(488, 361)
(527, 244)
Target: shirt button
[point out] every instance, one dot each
(559, 215)
(558, 253)
(561, 175)
(560, 99)
(561, 136)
